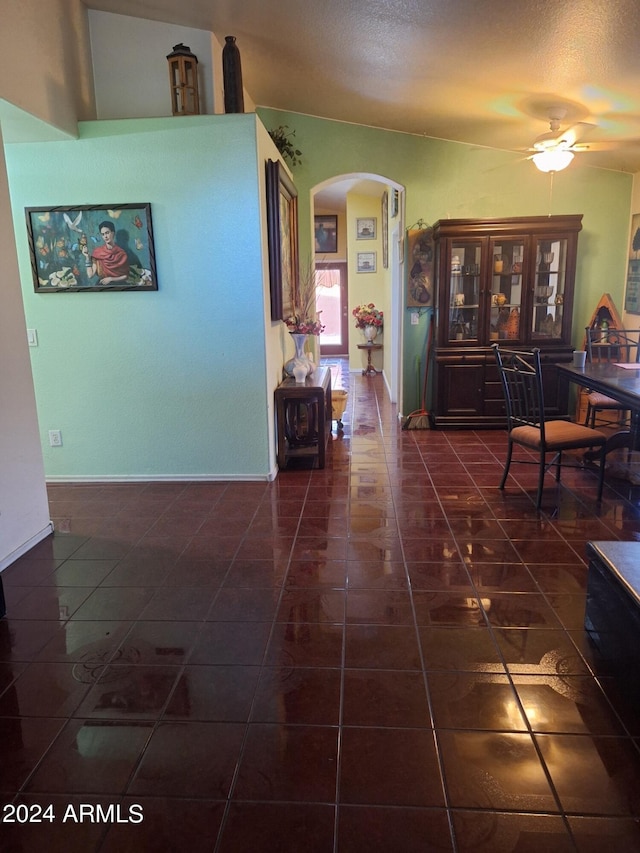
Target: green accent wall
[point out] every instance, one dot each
(170, 383)
(451, 180)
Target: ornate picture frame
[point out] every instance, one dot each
(91, 248)
(282, 230)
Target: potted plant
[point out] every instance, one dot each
(281, 137)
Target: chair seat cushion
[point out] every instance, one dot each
(601, 401)
(559, 435)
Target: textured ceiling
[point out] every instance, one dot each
(484, 72)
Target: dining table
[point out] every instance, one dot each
(619, 381)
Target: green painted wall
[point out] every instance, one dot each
(179, 382)
(170, 383)
(452, 180)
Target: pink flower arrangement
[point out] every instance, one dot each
(303, 326)
(368, 315)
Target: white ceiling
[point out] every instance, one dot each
(483, 72)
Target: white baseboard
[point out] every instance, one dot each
(161, 478)
(26, 546)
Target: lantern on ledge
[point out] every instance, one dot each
(183, 80)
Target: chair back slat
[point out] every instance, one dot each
(615, 345)
(521, 376)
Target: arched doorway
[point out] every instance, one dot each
(364, 261)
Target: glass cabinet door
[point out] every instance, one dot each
(549, 289)
(507, 262)
(464, 290)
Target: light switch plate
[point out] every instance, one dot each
(415, 318)
(32, 337)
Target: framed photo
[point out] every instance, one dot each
(632, 293)
(326, 233)
(366, 229)
(91, 248)
(366, 262)
(282, 230)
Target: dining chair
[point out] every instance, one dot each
(616, 345)
(527, 426)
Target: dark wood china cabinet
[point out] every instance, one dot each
(506, 280)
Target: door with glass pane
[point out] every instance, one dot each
(331, 300)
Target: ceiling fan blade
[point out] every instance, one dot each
(563, 138)
(575, 133)
(594, 146)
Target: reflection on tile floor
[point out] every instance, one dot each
(386, 655)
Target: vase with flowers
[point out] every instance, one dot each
(370, 319)
(302, 323)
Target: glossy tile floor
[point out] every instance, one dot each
(387, 655)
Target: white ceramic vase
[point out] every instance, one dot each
(370, 333)
(300, 361)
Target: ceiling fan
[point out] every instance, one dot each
(555, 149)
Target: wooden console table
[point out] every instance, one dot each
(370, 369)
(303, 417)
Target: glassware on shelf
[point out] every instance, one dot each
(542, 294)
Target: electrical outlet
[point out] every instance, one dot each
(55, 438)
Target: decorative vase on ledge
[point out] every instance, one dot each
(370, 333)
(300, 361)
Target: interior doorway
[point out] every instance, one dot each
(332, 299)
(342, 199)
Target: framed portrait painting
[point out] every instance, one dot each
(326, 233)
(282, 230)
(91, 248)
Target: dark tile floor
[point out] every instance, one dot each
(387, 655)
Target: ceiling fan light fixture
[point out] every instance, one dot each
(552, 161)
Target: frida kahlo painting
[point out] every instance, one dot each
(89, 248)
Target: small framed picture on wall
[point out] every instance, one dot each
(366, 229)
(366, 262)
(326, 233)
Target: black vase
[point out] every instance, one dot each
(232, 77)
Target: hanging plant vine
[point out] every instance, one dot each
(282, 138)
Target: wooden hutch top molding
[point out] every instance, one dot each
(511, 225)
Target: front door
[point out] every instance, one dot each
(332, 301)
